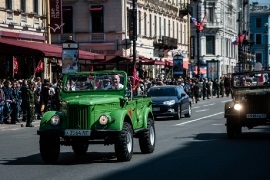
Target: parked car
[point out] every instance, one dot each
(250, 105)
(170, 100)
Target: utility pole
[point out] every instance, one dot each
(134, 29)
(198, 44)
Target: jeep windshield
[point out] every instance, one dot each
(94, 82)
(251, 79)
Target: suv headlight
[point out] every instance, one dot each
(55, 120)
(171, 102)
(103, 119)
(237, 107)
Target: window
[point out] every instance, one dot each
(68, 19)
(155, 25)
(23, 6)
(210, 14)
(258, 22)
(258, 39)
(164, 27)
(173, 30)
(97, 19)
(160, 27)
(140, 23)
(145, 24)
(169, 28)
(177, 32)
(9, 4)
(210, 44)
(259, 57)
(150, 25)
(35, 10)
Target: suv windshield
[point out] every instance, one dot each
(162, 91)
(93, 82)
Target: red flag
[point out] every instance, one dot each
(240, 39)
(136, 79)
(15, 65)
(40, 66)
(200, 25)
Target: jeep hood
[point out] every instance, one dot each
(92, 100)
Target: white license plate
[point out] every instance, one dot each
(156, 109)
(256, 115)
(75, 132)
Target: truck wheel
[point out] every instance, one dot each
(178, 115)
(147, 139)
(189, 111)
(49, 148)
(124, 143)
(80, 148)
(233, 129)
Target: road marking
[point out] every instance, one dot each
(218, 124)
(227, 100)
(202, 110)
(209, 104)
(196, 107)
(198, 119)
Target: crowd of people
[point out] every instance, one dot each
(26, 100)
(203, 88)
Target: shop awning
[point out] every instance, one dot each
(20, 47)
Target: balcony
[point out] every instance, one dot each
(214, 25)
(165, 42)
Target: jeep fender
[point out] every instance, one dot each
(228, 107)
(45, 121)
(117, 118)
(146, 113)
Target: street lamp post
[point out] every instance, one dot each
(134, 21)
(198, 44)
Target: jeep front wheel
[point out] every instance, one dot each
(124, 143)
(147, 139)
(49, 148)
(233, 129)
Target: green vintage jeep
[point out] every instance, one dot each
(97, 108)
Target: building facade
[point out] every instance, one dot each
(224, 21)
(260, 33)
(21, 20)
(105, 27)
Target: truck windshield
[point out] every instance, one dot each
(94, 82)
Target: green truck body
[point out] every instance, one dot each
(93, 114)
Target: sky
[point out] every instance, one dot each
(260, 1)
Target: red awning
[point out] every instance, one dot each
(19, 47)
(202, 70)
(96, 8)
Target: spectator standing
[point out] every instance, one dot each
(221, 87)
(14, 104)
(2, 102)
(197, 91)
(8, 99)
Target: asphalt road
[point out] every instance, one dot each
(189, 148)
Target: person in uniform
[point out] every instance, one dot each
(204, 88)
(221, 87)
(2, 102)
(28, 102)
(57, 95)
(196, 91)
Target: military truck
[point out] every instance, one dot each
(98, 108)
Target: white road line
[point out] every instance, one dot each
(218, 124)
(198, 119)
(227, 100)
(209, 104)
(202, 110)
(196, 107)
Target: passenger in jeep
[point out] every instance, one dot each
(115, 83)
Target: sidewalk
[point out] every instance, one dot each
(18, 125)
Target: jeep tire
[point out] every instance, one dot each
(147, 139)
(49, 148)
(124, 143)
(233, 129)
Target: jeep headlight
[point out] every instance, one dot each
(171, 102)
(237, 107)
(103, 119)
(55, 120)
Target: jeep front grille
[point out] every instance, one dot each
(78, 117)
(258, 103)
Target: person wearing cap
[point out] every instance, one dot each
(8, 99)
(106, 82)
(57, 95)
(30, 104)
